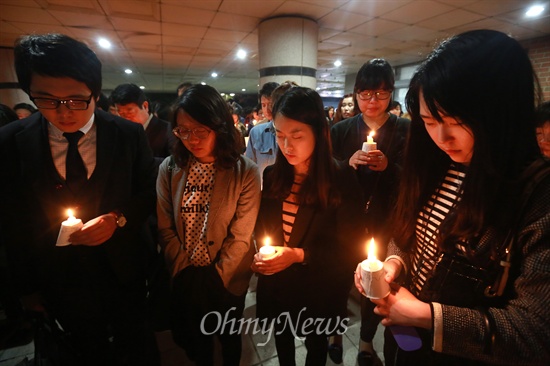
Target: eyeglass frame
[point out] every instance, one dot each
(375, 94)
(63, 101)
(189, 132)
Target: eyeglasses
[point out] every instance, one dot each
(368, 94)
(73, 104)
(199, 132)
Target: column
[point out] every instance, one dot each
(288, 50)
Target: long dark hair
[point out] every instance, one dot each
(206, 106)
(306, 106)
(484, 79)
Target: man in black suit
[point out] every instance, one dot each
(132, 104)
(94, 287)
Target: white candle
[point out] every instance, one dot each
(68, 227)
(267, 251)
(369, 144)
(372, 275)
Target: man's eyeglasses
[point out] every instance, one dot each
(199, 132)
(73, 104)
(368, 94)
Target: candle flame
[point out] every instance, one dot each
(371, 250)
(267, 241)
(70, 213)
(371, 134)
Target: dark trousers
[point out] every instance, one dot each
(104, 323)
(369, 320)
(202, 309)
(316, 346)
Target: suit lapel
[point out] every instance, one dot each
(302, 223)
(217, 200)
(106, 153)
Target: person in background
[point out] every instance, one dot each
(132, 104)
(472, 227)
(329, 113)
(24, 110)
(7, 115)
(311, 210)
(183, 87)
(208, 200)
(395, 108)
(346, 108)
(378, 170)
(542, 122)
(73, 155)
(261, 147)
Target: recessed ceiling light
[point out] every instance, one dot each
(128, 71)
(337, 63)
(241, 54)
(104, 43)
(203, 83)
(142, 87)
(214, 75)
(534, 11)
(231, 94)
(243, 89)
(222, 94)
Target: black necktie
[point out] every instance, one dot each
(76, 175)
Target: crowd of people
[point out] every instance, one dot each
(170, 217)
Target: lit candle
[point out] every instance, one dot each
(369, 144)
(68, 227)
(372, 275)
(267, 251)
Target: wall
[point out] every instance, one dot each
(539, 52)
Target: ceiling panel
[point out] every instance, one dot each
(169, 41)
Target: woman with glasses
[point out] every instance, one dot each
(378, 170)
(208, 200)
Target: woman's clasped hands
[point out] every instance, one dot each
(283, 258)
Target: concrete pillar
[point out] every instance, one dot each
(349, 83)
(288, 50)
(10, 94)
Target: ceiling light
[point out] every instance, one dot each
(337, 63)
(222, 94)
(142, 87)
(104, 43)
(128, 71)
(534, 11)
(231, 94)
(243, 89)
(203, 83)
(214, 75)
(241, 54)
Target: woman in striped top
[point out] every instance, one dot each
(470, 154)
(311, 209)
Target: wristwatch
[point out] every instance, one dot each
(119, 217)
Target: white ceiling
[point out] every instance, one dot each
(166, 42)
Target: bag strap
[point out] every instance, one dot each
(531, 178)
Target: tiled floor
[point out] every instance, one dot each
(255, 353)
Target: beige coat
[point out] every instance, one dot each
(233, 210)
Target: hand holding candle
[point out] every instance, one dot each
(369, 144)
(372, 275)
(68, 227)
